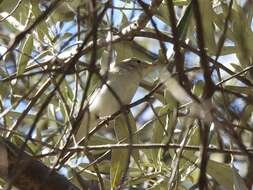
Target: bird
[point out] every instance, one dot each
(121, 83)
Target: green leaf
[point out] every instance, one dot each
(18, 18)
(19, 141)
(237, 67)
(100, 140)
(120, 157)
(193, 139)
(67, 91)
(104, 166)
(3, 73)
(24, 57)
(62, 13)
(142, 179)
(30, 117)
(241, 89)
(159, 131)
(222, 173)
(11, 22)
(207, 15)
(238, 181)
(42, 28)
(246, 115)
(160, 184)
(119, 163)
(198, 88)
(184, 22)
(170, 101)
(63, 111)
(226, 50)
(162, 12)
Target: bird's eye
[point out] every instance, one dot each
(138, 61)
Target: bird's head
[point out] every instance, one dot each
(135, 65)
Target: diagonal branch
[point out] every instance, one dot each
(34, 175)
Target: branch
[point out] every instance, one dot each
(30, 174)
(169, 39)
(127, 32)
(157, 145)
(209, 88)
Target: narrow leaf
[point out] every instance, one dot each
(24, 57)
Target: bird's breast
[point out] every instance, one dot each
(108, 99)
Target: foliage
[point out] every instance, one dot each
(192, 129)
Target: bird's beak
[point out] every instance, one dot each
(148, 65)
(148, 68)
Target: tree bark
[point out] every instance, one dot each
(25, 172)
